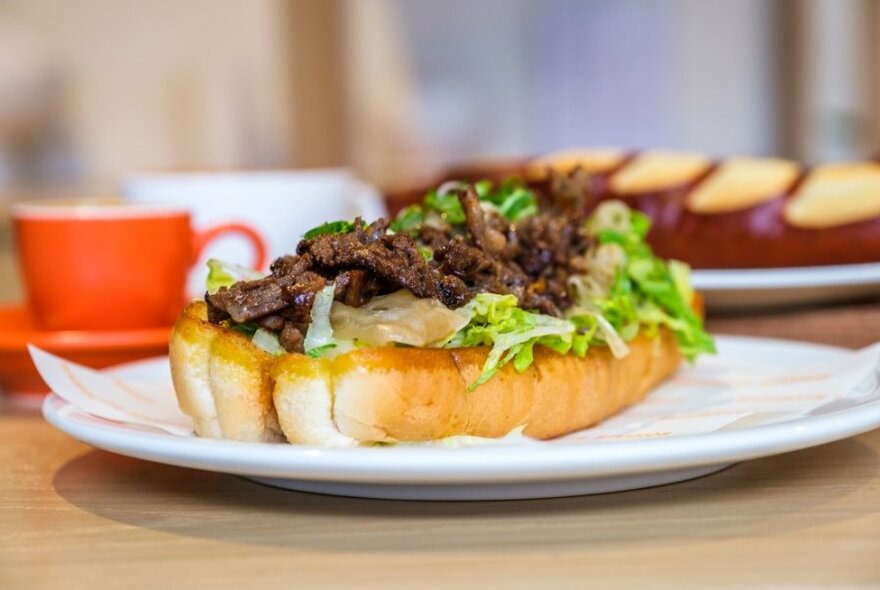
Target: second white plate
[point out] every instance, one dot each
(732, 289)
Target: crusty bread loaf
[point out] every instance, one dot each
(715, 214)
(234, 390)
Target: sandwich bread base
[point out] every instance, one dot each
(234, 390)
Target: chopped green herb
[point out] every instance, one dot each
(447, 205)
(484, 189)
(246, 328)
(319, 351)
(408, 220)
(518, 205)
(513, 198)
(331, 227)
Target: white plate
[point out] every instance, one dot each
(772, 287)
(501, 471)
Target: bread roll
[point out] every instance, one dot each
(736, 212)
(221, 379)
(234, 390)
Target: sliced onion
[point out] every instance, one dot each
(267, 341)
(320, 331)
(617, 345)
(449, 186)
(614, 215)
(400, 318)
(603, 264)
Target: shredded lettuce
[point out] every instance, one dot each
(515, 436)
(268, 341)
(320, 332)
(681, 276)
(605, 332)
(320, 351)
(226, 274)
(512, 332)
(320, 341)
(647, 291)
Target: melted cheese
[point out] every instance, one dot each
(658, 170)
(836, 194)
(740, 183)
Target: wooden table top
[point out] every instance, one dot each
(75, 517)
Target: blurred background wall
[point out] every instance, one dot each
(93, 90)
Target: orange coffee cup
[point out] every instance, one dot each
(107, 265)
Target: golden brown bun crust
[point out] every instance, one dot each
(222, 380)
(399, 394)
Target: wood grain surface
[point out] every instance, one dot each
(75, 517)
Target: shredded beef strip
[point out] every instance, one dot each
(291, 338)
(273, 323)
(247, 300)
(394, 258)
(433, 237)
(356, 287)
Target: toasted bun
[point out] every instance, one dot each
(222, 380)
(228, 386)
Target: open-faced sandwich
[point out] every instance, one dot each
(486, 309)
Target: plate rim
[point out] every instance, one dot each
(789, 277)
(482, 465)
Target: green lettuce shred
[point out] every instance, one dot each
(409, 219)
(512, 332)
(320, 351)
(648, 291)
(447, 205)
(225, 274)
(331, 227)
(268, 341)
(319, 336)
(512, 198)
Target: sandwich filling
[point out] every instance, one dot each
(473, 265)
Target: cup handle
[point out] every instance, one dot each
(201, 238)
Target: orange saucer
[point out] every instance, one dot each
(96, 349)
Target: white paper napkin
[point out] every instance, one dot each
(718, 394)
(109, 397)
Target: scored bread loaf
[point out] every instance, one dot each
(738, 212)
(234, 390)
